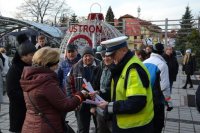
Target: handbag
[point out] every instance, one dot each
(67, 128)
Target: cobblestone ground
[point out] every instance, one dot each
(182, 119)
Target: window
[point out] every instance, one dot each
(135, 37)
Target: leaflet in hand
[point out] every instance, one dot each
(91, 102)
(90, 89)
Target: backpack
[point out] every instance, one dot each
(197, 98)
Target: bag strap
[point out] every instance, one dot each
(141, 72)
(42, 114)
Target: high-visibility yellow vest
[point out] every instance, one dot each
(134, 88)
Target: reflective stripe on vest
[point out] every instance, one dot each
(134, 88)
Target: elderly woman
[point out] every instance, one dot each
(43, 95)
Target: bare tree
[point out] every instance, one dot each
(60, 10)
(43, 11)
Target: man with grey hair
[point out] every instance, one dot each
(172, 63)
(89, 68)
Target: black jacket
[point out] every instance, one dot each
(190, 66)
(17, 108)
(172, 64)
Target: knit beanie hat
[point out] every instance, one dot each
(158, 48)
(188, 51)
(87, 50)
(22, 38)
(71, 47)
(26, 48)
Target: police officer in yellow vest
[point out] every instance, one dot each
(131, 95)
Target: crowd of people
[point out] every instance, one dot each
(136, 86)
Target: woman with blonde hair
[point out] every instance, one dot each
(43, 95)
(188, 67)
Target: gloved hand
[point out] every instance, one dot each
(169, 103)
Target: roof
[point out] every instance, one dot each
(8, 25)
(53, 31)
(127, 16)
(133, 25)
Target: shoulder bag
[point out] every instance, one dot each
(67, 128)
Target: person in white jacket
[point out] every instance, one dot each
(158, 70)
(6, 66)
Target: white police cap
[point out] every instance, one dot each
(114, 44)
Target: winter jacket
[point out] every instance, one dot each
(64, 68)
(172, 64)
(105, 83)
(42, 85)
(131, 104)
(78, 73)
(158, 60)
(158, 98)
(17, 108)
(189, 66)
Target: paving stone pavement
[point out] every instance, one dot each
(182, 119)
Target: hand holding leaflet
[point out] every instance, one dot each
(88, 101)
(90, 89)
(97, 100)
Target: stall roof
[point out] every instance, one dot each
(8, 25)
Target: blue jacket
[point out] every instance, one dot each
(156, 61)
(64, 68)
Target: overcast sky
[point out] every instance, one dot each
(150, 9)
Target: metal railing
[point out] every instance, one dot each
(162, 27)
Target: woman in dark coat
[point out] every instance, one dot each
(189, 67)
(41, 92)
(17, 109)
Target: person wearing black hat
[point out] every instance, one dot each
(131, 106)
(89, 68)
(17, 108)
(158, 70)
(71, 57)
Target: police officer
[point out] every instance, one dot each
(131, 95)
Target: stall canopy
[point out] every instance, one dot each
(8, 25)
